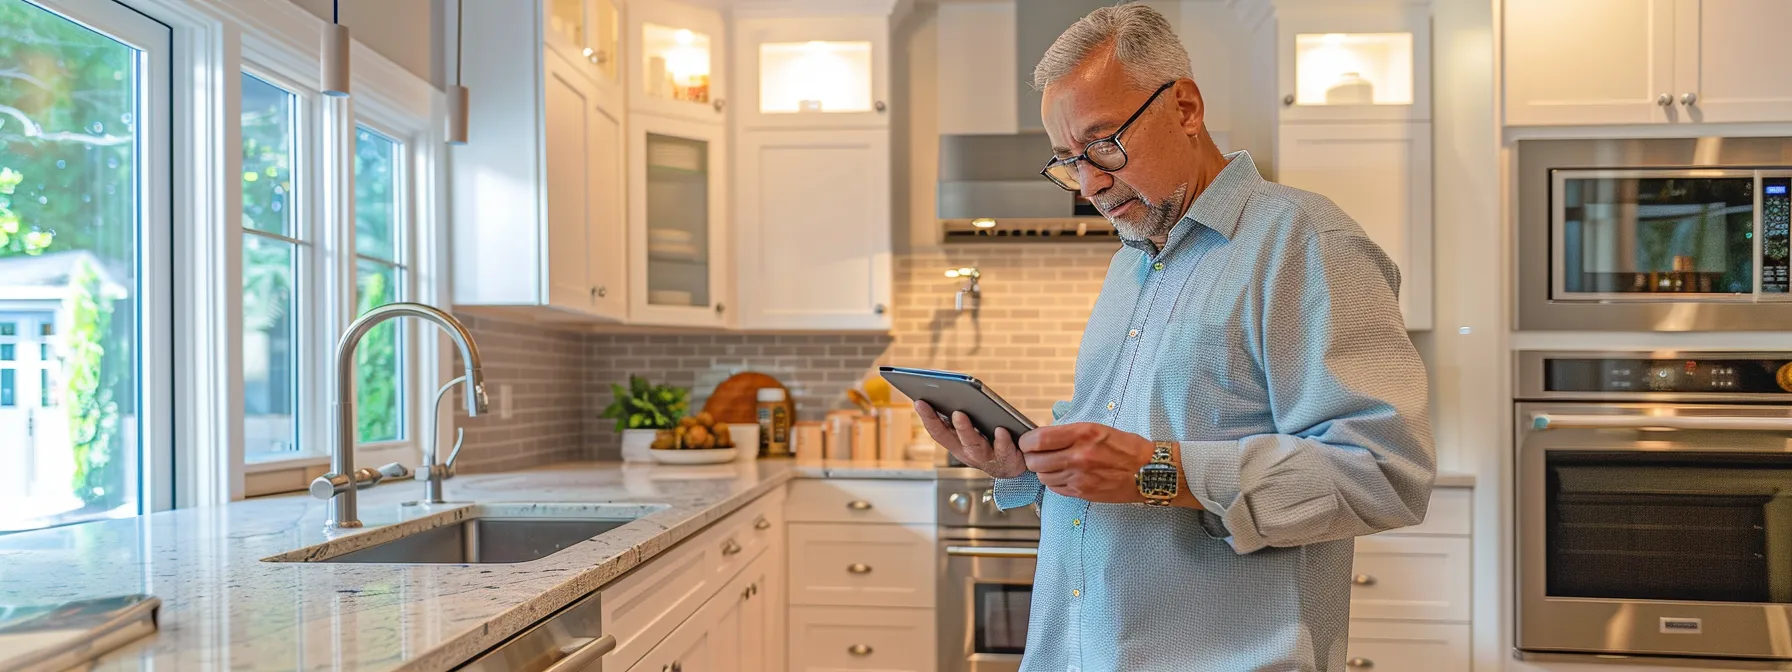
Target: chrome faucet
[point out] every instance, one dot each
(429, 472)
(340, 484)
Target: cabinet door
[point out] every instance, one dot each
(607, 238)
(573, 29)
(1588, 62)
(812, 73)
(839, 639)
(1729, 60)
(1363, 64)
(677, 203)
(1391, 646)
(813, 218)
(1380, 175)
(568, 138)
(676, 63)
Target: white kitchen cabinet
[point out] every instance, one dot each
(1588, 62)
(588, 34)
(1379, 173)
(862, 565)
(538, 188)
(851, 639)
(1411, 590)
(1356, 65)
(1730, 58)
(1407, 647)
(731, 632)
(812, 229)
(675, 61)
(812, 72)
(677, 226)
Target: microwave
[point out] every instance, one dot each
(1656, 235)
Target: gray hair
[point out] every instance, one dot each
(1143, 41)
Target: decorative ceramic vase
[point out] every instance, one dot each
(636, 444)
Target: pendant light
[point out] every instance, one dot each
(335, 54)
(457, 94)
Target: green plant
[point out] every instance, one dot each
(645, 406)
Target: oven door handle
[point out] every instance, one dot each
(992, 551)
(1542, 421)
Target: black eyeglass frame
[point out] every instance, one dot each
(1111, 138)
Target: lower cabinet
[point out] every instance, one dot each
(730, 633)
(1385, 646)
(862, 576)
(1409, 593)
(839, 639)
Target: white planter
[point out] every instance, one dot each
(637, 444)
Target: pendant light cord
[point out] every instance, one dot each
(459, 9)
(335, 11)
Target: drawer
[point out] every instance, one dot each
(848, 565)
(842, 639)
(1413, 578)
(1450, 512)
(646, 604)
(860, 501)
(1407, 647)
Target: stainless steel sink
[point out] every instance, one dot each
(479, 534)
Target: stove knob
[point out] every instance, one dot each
(989, 500)
(959, 502)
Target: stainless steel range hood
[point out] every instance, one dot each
(989, 185)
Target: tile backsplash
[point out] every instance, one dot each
(1022, 340)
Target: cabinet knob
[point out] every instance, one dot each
(879, 309)
(1689, 99)
(1664, 100)
(720, 308)
(1360, 663)
(1288, 99)
(762, 524)
(859, 568)
(1363, 580)
(859, 505)
(730, 548)
(753, 589)
(879, 106)
(601, 57)
(859, 650)
(719, 104)
(677, 667)
(602, 291)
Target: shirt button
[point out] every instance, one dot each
(1132, 334)
(1110, 405)
(1157, 266)
(1075, 592)
(1076, 523)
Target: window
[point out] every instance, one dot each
(6, 352)
(273, 247)
(84, 223)
(380, 278)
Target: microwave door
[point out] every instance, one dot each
(1653, 235)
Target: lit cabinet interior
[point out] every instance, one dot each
(815, 76)
(1353, 69)
(676, 63)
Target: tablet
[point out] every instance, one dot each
(947, 392)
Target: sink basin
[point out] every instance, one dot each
(479, 534)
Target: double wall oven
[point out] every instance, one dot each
(1690, 234)
(1654, 504)
(987, 559)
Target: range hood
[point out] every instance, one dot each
(989, 185)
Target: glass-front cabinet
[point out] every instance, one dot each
(813, 72)
(677, 202)
(588, 34)
(1365, 65)
(675, 63)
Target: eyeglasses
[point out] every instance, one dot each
(1106, 154)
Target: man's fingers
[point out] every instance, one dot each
(1049, 438)
(1051, 460)
(967, 433)
(1053, 479)
(930, 420)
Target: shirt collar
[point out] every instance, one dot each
(1217, 207)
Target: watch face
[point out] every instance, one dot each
(1157, 481)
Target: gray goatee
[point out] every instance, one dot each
(1159, 216)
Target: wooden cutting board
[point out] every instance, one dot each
(737, 398)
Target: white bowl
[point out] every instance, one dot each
(689, 456)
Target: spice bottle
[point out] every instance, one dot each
(774, 423)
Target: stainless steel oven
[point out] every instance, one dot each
(1654, 504)
(1655, 235)
(987, 559)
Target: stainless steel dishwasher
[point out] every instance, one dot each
(571, 640)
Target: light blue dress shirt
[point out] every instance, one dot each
(1266, 338)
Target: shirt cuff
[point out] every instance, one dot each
(1211, 468)
(1013, 493)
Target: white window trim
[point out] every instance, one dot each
(212, 39)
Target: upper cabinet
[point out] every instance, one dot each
(1645, 61)
(588, 34)
(537, 198)
(678, 240)
(676, 63)
(829, 72)
(1364, 64)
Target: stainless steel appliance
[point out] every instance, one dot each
(567, 641)
(1685, 234)
(1654, 504)
(986, 577)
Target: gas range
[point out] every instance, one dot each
(986, 588)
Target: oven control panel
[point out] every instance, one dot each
(1685, 376)
(1776, 234)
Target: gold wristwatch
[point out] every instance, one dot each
(1158, 478)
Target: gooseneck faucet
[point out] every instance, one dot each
(340, 485)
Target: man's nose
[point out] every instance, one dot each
(1091, 180)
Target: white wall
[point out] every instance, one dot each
(401, 30)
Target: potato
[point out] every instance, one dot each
(724, 439)
(698, 437)
(706, 419)
(665, 442)
(687, 422)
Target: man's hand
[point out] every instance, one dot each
(1089, 461)
(1000, 459)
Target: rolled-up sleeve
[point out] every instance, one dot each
(1013, 493)
(1353, 453)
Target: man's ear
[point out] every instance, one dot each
(1191, 108)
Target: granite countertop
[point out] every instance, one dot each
(223, 608)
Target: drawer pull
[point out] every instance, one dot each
(730, 548)
(762, 524)
(1363, 580)
(859, 505)
(859, 650)
(859, 568)
(1360, 663)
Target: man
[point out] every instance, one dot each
(1246, 401)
